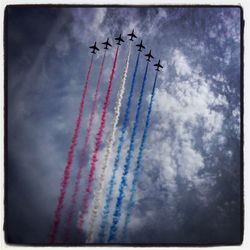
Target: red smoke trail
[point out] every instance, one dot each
(98, 141)
(83, 154)
(68, 167)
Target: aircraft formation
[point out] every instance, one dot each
(97, 211)
(131, 38)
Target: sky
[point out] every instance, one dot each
(189, 189)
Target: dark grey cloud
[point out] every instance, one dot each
(189, 189)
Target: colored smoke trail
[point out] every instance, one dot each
(117, 213)
(117, 159)
(68, 167)
(83, 155)
(98, 142)
(100, 185)
(138, 163)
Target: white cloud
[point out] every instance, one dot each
(236, 125)
(190, 161)
(186, 105)
(86, 25)
(180, 62)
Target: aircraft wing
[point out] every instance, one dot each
(149, 55)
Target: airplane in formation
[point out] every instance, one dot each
(107, 44)
(94, 48)
(119, 39)
(149, 55)
(140, 45)
(158, 65)
(132, 35)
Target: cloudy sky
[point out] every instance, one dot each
(189, 188)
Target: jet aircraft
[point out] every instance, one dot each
(140, 45)
(119, 39)
(107, 44)
(132, 35)
(149, 55)
(158, 65)
(94, 48)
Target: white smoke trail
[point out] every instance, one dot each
(100, 185)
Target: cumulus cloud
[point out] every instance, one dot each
(181, 108)
(180, 63)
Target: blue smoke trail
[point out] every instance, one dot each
(138, 163)
(117, 159)
(117, 213)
